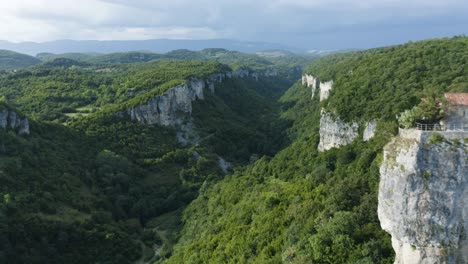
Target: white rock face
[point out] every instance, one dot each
(423, 198)
(315, 84)
(174, 107)
(369, 131)
(11, 120)
(334, 132)
(312, 82)
(170, 108)
(325, 89)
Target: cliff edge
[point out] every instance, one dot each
(423, 196)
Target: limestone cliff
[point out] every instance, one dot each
(170, 108)
(10, 119)
(325, 89)
(334, 132)
(174, 107)
(315, 84)
(423, 197)
(310, 81)
(369, 131)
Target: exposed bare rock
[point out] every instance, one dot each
(369, 131)
(423, 197)
(325, 89)
(174, 107)
(11, 120)
(334, 132)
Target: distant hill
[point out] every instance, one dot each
(64, 62)
(124, 57)
(45, 56)
(10, 60)
(154, 45)
(233, 58)
(274, 53)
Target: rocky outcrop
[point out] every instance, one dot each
(312, 82)
(325, 89)
(170, 108)
(174, 107)
(369, 131)
(423, 197)
(224, 165)
(12, 120)
(315, 84)
(334, 132)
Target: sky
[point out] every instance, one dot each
(306, 24)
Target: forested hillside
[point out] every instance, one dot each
(93, 182)
(87, 185)
(233, 58)
(381, 83)
(10, 60)
(305, 206)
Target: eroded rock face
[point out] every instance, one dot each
(335, 132)
(369, 131)
(312, 82)
(315, 84)
(11, 120)
(325, 89)
(174, 107)
(423, 197)
(169, 109)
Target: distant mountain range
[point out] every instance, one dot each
(154, 45)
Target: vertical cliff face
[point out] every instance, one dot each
(315, 84)
(174, 107)
(325, 89)
(334, 132)
(369, 131)
(11, 120)
(423, 197)
(312, 82)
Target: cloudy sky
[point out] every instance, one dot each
(311, 24)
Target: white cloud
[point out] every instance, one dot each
(40, 20)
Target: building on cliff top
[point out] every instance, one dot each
(457, 116)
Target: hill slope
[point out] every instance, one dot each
(10, 60)
(115, 191)
(306, 206)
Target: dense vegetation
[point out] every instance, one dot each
(10, 60)
(301, 206)
(233, 58)
(91, 186)
(60, 88)
(383, 82)
(106, 189)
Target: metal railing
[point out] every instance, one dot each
(438, 127)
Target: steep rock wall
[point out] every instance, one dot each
(315, 84)
(325, 89)
(11, 120)
(369, 131)
(174, 107)
(312, 82)
(423, 197)
(334, 132)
